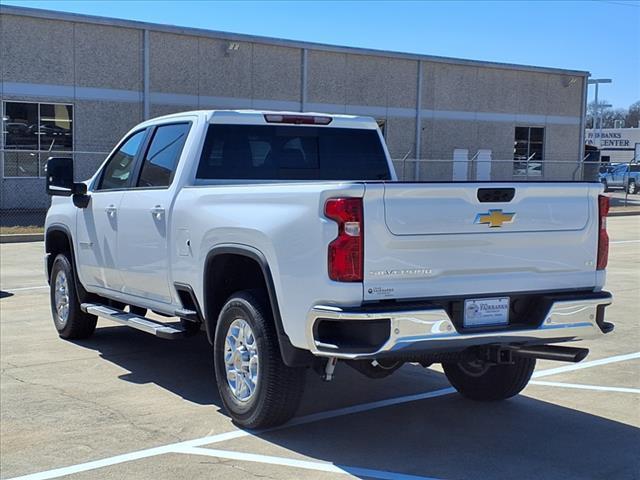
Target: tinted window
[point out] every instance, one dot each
(56, 122)
(32, 133)
(21, 126)
(528, 151)
(270, 152)
(162, 156)
(118, 170)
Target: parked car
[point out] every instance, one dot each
(288, 239)
(624, 176)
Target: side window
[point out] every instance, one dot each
(118, 170)
(161, 158)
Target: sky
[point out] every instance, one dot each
(599, 36)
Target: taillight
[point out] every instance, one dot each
(345, 259)
(603, 237)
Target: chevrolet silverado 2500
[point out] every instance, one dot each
(289, 241)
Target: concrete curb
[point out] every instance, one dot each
(623, 213)
(21, 237)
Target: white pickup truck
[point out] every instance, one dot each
(288, 239)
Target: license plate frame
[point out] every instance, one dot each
(486, 312)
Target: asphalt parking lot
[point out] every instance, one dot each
(127, 405)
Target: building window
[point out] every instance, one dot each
(528, 151)
(32, 132)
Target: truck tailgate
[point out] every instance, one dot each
(433, 240)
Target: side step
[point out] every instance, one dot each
(161, 330)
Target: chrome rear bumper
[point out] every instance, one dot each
(431, 329)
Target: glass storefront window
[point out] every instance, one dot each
(528, 151)
(33, 132)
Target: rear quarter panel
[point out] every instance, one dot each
(285, 222)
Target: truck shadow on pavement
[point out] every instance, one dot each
(447, 437)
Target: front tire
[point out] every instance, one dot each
(70, 321)
(478, 380)
(257, 388)
(632, 188)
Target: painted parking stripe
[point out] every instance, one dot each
(583, 365)
(303, 464)
(198, 442)
(24, 289)
(580, 386)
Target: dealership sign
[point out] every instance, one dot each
(614, 138)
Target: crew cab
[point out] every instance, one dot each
(624, 175)
(289, 241)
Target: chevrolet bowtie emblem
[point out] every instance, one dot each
(494, 218)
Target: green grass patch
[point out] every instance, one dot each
(17, 230)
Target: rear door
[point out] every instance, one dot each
(143, 255)
(437, 240)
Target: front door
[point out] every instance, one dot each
(99, 223)
(143, 234)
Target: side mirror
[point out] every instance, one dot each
(60, 178)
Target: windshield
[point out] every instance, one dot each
(278, 152)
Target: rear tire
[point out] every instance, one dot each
(257, 388)
(480, 381)
(632, 188)
(70, 321)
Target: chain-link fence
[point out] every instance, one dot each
(24, 202)
(481, 170)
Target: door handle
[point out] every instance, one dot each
(111, 210)
(157, 212)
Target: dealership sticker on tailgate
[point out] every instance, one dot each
(486, 311)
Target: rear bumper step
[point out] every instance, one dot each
(552, 352)
(161, 330)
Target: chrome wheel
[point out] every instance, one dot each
(241, 360)
(61, 297)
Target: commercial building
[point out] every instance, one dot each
(74, 84)
(616, 145)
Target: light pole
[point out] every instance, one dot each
(597, 115)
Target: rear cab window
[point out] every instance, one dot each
(161, 158)
(291, 152)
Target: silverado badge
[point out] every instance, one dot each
(494, 218)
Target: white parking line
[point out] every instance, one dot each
(198, 442)
(583, 365)
(585, 387)
(24, 289)
(304, 464)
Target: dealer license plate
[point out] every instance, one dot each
(486, 311)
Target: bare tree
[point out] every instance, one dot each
(608, 114)
(633, 115)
